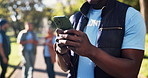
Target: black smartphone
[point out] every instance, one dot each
(62, 22)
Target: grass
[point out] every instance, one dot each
(144, 66)
(14, 58)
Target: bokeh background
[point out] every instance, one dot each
(40, 13)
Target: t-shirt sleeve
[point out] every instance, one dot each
(1, 39)
(135, 30)
(37, 39)
(54, 40)
(19, 37)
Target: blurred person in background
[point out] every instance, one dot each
(4, 46)
(29, 40)
(49, 53)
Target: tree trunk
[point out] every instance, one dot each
(15, 31)
(144, 11)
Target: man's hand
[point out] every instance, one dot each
(63, 60)
(60, 47)
(78, 42)
(30, 41)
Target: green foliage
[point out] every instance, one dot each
(4, 13)
(134, 3)
(68, 10)
(14, 58)
(61, 9)
(76, 6)
(18, 12)
(144, 66)
(14, 8)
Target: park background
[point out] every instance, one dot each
(40, 13)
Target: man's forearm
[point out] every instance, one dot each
(2, 52)
(35, 42)
(23, 42)
(117, 67)
(26, 42)
(64, 61)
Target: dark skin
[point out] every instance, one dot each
(126, 67)
(5, 60)
(129, 63)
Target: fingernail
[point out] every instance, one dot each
(65, 31)
(60, 34)
(57, 40)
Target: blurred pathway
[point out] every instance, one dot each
(40, 67)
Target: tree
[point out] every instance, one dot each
(133, 3)
(20, 11)
(67, 9)
(144, 10)
(4, 13)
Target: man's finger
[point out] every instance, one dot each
(69, 43)
(69, 37)
(60, 48)
(59, 31)
(73, 31)
(72, 48)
